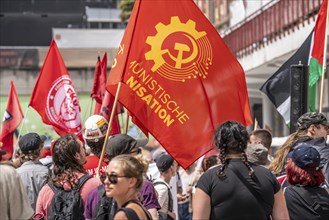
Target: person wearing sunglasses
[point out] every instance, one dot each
(124, 178)
(121, 144)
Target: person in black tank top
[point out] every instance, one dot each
(236, 188)
(124, 178)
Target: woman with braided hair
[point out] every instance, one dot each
(237, 189)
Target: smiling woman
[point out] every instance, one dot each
(123, 182)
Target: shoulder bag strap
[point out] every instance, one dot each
(260, 200)
(170, 199)
(305, 196)
(130, 213)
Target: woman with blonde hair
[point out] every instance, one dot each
(124, 178)
(280, 159)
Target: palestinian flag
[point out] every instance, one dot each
(277, 87)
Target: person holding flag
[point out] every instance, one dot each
(94, 133)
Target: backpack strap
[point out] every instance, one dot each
(52, 186)
(82, 181)
(305, 196)
(170, 202)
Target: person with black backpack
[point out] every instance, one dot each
(64, 196)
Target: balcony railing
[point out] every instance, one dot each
(273, 21)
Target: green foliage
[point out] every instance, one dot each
(126, 7)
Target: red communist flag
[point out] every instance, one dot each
(54, 96)
(11, 120)
(179, 79)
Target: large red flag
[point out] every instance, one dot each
(54, 96)
(12, 118)
(178, 77)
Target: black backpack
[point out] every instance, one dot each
(67, 205)
(106, 207)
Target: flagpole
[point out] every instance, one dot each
(323, 62)
(24, 119)
(113, 112)
(127, 123)
(91, 106)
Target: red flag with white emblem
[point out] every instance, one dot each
(54, 96)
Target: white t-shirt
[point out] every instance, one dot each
(163, 196)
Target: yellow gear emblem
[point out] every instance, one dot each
(179, 51)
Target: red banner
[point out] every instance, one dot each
(12, 118)
(98, 89)
(178, 77)
(54, 96)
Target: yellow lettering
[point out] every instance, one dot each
(143, 84)
(121, 49)
(131, 83)
(141, 91)
(147, 99)
(165, 98)
(182, 119)
(169, 103)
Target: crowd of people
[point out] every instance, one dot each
(241, 180)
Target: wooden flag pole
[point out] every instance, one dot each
(127, 123)
(109, 127)
(323, 62)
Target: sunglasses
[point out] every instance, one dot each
(113, 178)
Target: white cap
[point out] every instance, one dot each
(95, 128)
